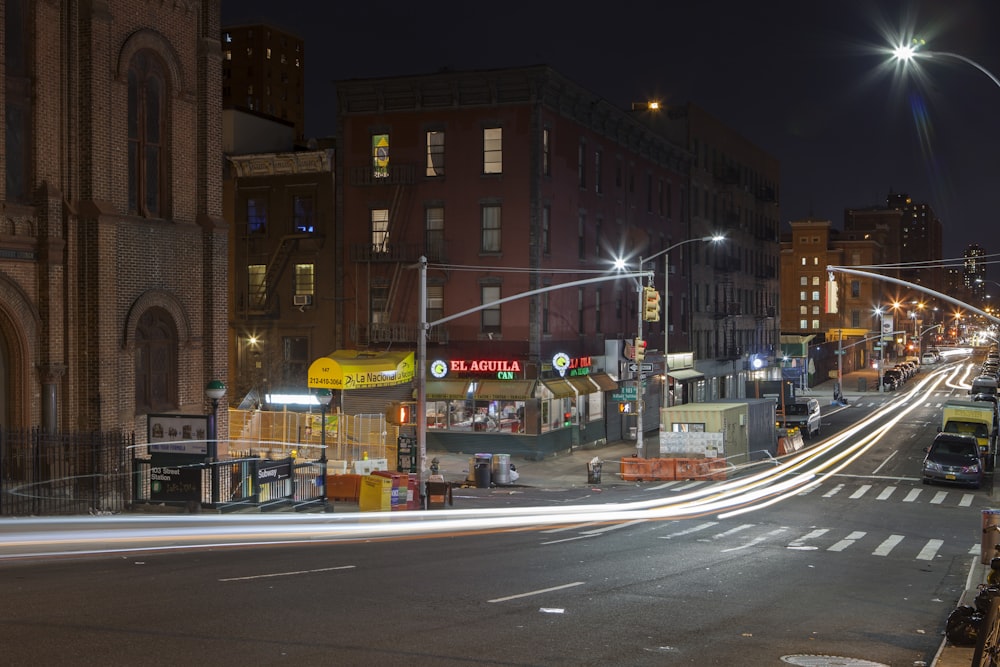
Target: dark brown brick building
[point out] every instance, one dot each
(113, 286)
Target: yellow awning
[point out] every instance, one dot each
(582, 384)
(499, 390)
(447, 389)
(559, 388)
(604, 381)
(351, 369)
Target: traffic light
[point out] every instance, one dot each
(640, 350)
(567, 419)
(650, 304)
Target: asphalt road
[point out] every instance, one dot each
(862, 564)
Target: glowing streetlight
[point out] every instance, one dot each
(878, 312)
(908, 54)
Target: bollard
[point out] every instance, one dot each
(991, 535)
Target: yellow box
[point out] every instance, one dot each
(375, 494)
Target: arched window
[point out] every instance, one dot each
(155, 362)
(147, 136)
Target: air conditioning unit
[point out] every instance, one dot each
(302, 299)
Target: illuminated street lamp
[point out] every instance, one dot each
(214, 390)
(878, 312)
(910, 53)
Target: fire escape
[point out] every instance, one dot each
(390, 283)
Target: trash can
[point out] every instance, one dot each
(501, 469)
(991, 535)
(594, 471)
(482, 470)
(862, 384)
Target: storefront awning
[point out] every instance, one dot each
(559, 387)
(351, 369)
(686, 374)
(582, 385)
(444, 390)
(500, 390)
(604, 381)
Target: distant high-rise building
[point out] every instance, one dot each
(263, 70)
(974, 273)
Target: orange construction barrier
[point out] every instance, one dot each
(635, 469)
(685, 469)
(663, 469)
(714, 468)
(343, 487)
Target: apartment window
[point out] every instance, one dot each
(815, 261)
(803, 296)
(256, 285)
(815, 324)
(303, 214)
(815, 310)
(267, 53)
(855, 318)
(380, 230)
(380, 155)
(434, 232)
(435, 153)
(435, 302)
(546, 221)
(597, 311)
(815, 280)
(803, 261)
(256, 215)
(659, 196)
(580, 328)
(491, 315)
(305, 281)
(597, 239)
(598, 181)
(803, 310)
(582, 236)
(803, 324)
(815, 295)
(546, 152)
(581, 164)
(493, 150)
(856, 288)
(295, 355)
(804, 280)
(378, 303)
(490, 228)
(147, 140)
(156, 375)
(545, 312)
(18, 100)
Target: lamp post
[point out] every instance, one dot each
(323, 396)
(214, 390)
(909, 53)
(881, 344)
(920, 340)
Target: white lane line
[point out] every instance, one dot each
(847, 541)
(688, 531)
(886, 492)
(811, 535)
(732, 531)
(930, 550)
(538, 592)
(912, 495)
(885, 462)
(598, 531)
(976, 549)
(757, 540)
(289, 574)
(665, 485)
(568, 539)
(574, 526)
(834, 491)
(966, 500)
(865, 488)
(939, 497)
(887, 546)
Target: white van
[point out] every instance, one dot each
(928, 358)
(802, 414)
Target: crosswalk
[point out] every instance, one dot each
(739, 537)
(955, 497)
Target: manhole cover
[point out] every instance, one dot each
(828, 661)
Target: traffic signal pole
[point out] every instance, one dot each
(639, 305)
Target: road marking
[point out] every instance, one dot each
(289, 574)
(689, 485)
(538, 592)
(688, 531)
(929, 550)
(966, 500)
(886, 492)
(665, 485)
(847, 541)
(732, 531)
(574, 526)
(939, 497)
(811, 535)
(912, 495)
(757, 540)
(568, 539)
(861, 491)
(888, 545)
(834, 491)
(598, 531)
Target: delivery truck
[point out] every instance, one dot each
(976, 418)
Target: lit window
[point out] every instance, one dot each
(803, 324)
(815, 296)
(815, 280)
(493, 150)
(267, 53)
(380, 155)
(380, 230)
(803, 261)
(490, 228)
(256, 285)
(305, 281)
(815, 324)
(434, 232)
(435, 153)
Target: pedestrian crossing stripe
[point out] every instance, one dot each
(936, 496)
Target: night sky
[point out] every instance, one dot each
(804, 80)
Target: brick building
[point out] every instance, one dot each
(113, 286)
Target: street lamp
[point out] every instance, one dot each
(323, 396)
(214, 390)
(881, 343)
(909, 53)
(714, 238)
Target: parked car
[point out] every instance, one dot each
(953, 458)
(928, 359)
(892, 379)
(802, 414)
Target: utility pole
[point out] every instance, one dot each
(639, 445)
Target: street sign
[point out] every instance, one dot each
(626, 393)
(647, 367)
(633, 367)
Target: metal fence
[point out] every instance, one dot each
(64, 473)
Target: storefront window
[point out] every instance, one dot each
(476, 415)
